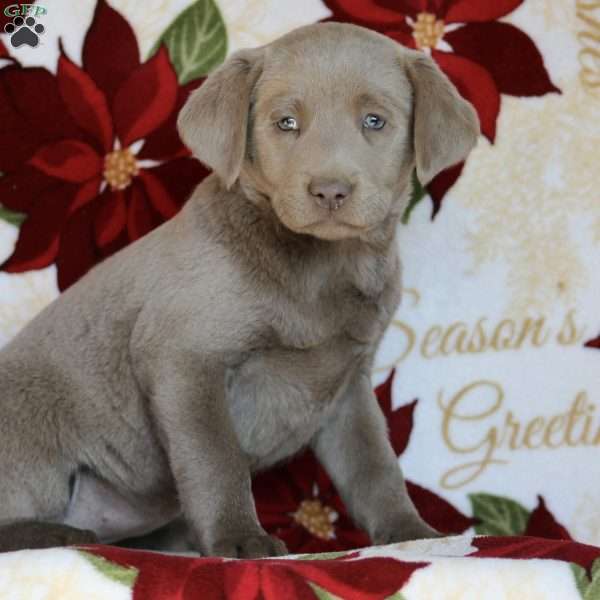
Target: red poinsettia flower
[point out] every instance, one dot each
(595, 343)
(363, 579)
(532, 547)
(91, 154)
(167, 577)
(482, 56)
(298, 503)
(542, 523)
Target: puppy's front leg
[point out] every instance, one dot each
(354, 448)
(210, 469)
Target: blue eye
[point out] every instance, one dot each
(288, 124)
(372, 121)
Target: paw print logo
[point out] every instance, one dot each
(24, 31)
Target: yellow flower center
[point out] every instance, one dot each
(427, 30)
(119, 168)
(316, 518)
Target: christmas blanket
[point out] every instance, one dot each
(455, 568)
(488, 375)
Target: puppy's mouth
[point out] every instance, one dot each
(307, 219)
(332, 227)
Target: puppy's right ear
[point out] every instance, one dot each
(213, 122)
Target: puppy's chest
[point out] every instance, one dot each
(278, 397)
(281, 394)
(310, 325)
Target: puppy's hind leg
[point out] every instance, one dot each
(34, 496)
(26, 535)
(30, 514)
(30, 500)
(38, 445)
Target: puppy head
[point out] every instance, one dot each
(327, 123)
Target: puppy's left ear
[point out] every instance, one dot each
(445, 125)
(213, 122)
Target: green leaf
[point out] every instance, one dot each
(589, 589)
(596, 569)
(581, 579)
(196, 41)
(396, 596)
(322, 594)
(498, 515)
(14, 218)
(322, 555)
(123, 575)
(417, 194)
(593, 590)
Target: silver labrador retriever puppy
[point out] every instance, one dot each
(244, 329)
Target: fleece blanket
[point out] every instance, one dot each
(488, 375)
(454, 568)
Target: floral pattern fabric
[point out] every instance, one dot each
(445, 569)
(500, 252)
(99, 163)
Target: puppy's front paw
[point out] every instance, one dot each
(404, 532)
(248, 546)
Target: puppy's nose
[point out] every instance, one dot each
(329, 193)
